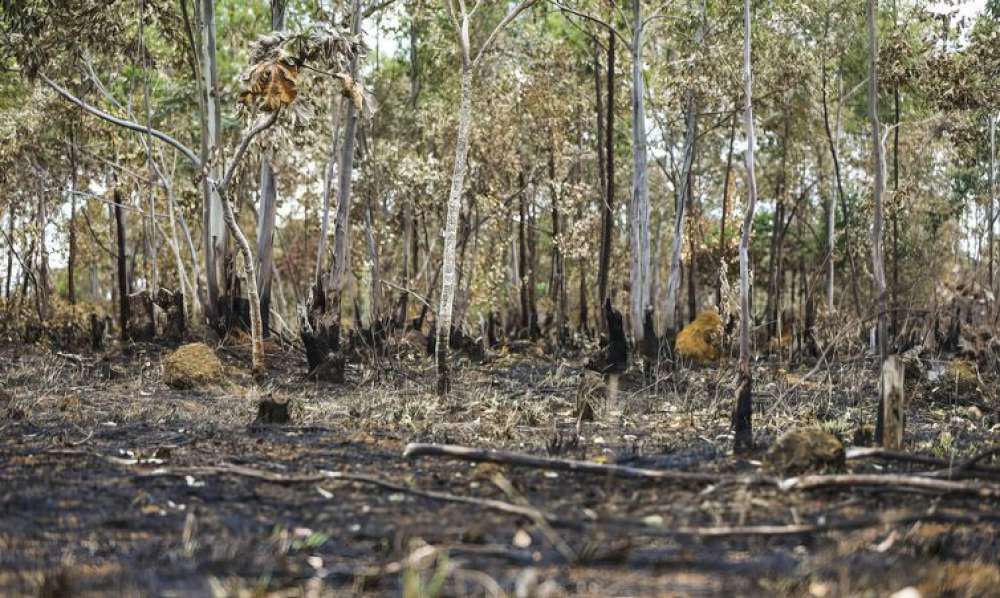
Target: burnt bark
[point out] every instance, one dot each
(123, 287)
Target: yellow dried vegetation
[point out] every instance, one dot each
(194, 365)
(700, 340)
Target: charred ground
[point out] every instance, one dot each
(106, 486)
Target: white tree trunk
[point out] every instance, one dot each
(451, 232)
(993, 196)
(341, 230)
(743, 415)
(878, 261)
(256, 323)
(328, 178)
(639, 208)
(674, 276)
(268, 198)
(213, 226)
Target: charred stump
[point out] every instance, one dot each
(319, 328)
(272, 412)
(141, 317)
(617, 360)
(742, 416)
(173, 323)
(650, 343)
(98, 328)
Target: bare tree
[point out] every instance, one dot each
(268, 202)
(684, 194)
(639, 208)
(461, 17)
(743, 415)
(878, 261)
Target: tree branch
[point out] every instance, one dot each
(521, 6)
(121, 122)
(624, 40)
(244, 144)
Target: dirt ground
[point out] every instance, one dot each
(106, 486)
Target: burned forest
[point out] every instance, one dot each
(520, 298)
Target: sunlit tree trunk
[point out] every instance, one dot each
(743, 414)
(213, 226)
(460, 19)
(878, 262)
(451, 225)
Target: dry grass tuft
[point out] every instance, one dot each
(191, 366)
(699, 341)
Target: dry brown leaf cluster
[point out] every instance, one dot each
(271, 85)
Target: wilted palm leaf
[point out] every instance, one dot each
(352, 89)
(270, 85)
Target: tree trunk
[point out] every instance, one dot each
(443, 322)
(639, 208)
(522, 257)
(265, 236)
(329, 174)
(341, 231)
(534, 331)
(992, 197)
(123, 290)
(674, 276)
(725, 211)
(776, 274)
(214, 240)
(268, 204)
(375, 311)
(256, 324)
(407, 218)
(71, 259)
(878, 263)
(607, 214)
(834, 142)
(558, 280)
(830, 211)
(743, 414)
(10, 253)
(42, 280)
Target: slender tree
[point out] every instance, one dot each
(639, 262)
(743, 414)
(268, 203)
(878, 261)
(461, 17)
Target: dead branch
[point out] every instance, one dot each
(890, 482)
(462, 453)
(969, 468)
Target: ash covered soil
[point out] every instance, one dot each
(113, 483)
